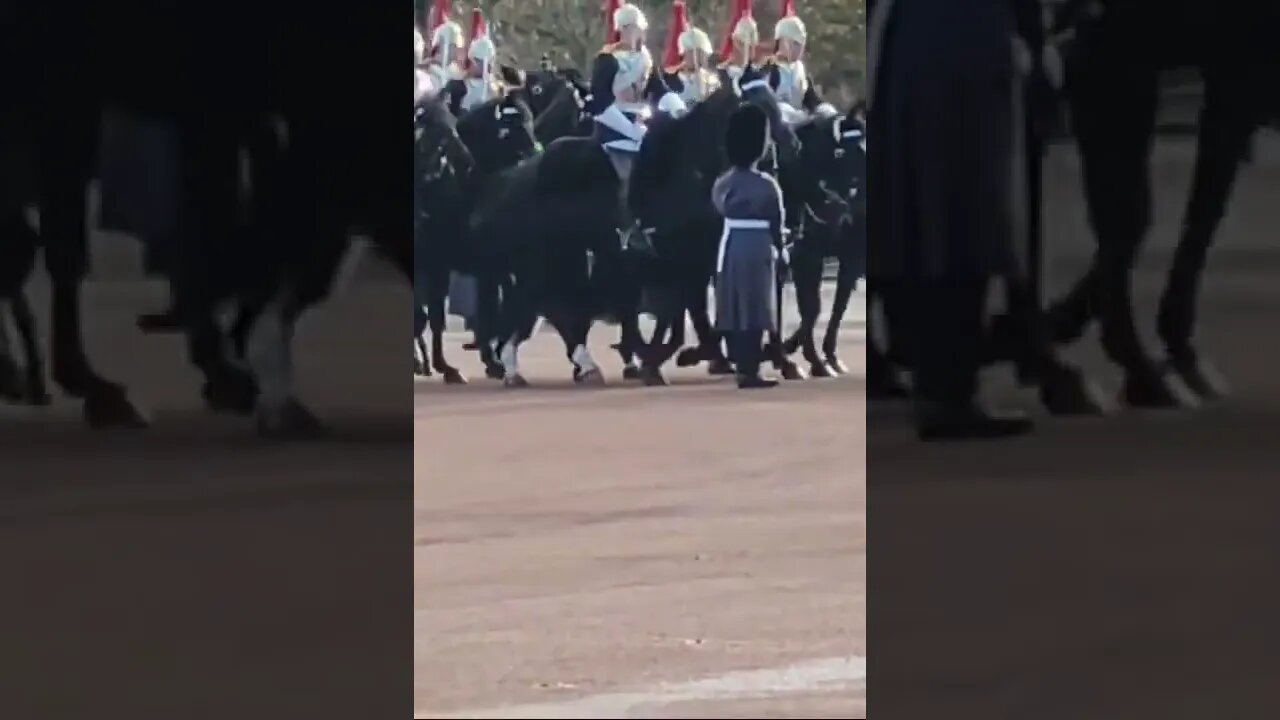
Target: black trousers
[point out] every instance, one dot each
(947, 326)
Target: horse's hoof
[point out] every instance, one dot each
(1068, 393)
(688, 357)
(820, 370)
(589, 378)
(235, 393)
(452, 376)
(494, 372)
(653, 377)
(1153, 389)
(1201, 377)
(112, 409)
(515, 381)
(791, 371)
(836, 364)
(630, 372)
(291, 421)
(720, 366)
(420, 368)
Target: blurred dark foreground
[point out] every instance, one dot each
(1115, 568)
(193, 570)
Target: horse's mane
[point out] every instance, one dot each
(692, 141)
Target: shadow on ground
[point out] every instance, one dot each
(1119, 568)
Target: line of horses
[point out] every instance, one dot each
(314, 145)
(517, 194)
(1114, 54)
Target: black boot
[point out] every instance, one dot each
(747, 354)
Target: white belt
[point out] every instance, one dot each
(731, 224)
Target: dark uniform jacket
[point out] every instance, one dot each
(946, 184)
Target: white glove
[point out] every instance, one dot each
(672, 105)
(826, 110)
(792, 116)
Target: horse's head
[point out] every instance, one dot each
(754, 88)
(437, 148)
(499, 133)
(830, 167)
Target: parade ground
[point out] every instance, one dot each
(693, 551)
(1044, 577)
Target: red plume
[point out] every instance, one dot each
(610, 8)
(741, 9)
(788, 9)
(478, 30)
(679, 24)
(438, 16)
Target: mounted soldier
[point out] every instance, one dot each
(741, 46)
(685, 70)
(423, 84)
(446, 46)
(478, 83)
(787, 73)
(621, 81)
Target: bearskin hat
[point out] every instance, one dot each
(747, 136)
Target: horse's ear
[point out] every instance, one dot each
(512, 76)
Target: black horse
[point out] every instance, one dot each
(670, 193)
(820, 191)
(1113, 98)
(489, 138)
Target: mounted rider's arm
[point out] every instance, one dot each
(603, 105)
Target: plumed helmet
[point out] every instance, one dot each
(482, 49)
(790, 28)
(449, 34)
(747, 136)
(695, 39)
(746, 31)
(630, 16)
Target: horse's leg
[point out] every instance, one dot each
(270, 354)
(519, 315)
(846, 283)
(1114, 117)
(1226, 125)
(709, 341)
(33, 391)
(573, 323)
(436, 293)
(806, 268)
(65, 231)
(884, 381)
(773, 349)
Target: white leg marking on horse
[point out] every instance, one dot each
(351, 260)
(510, 358)
(269, 353)
(582, 358)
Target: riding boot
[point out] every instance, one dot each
(749, 353)
(946, 357)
